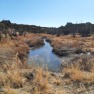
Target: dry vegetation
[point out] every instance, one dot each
(33, 40)
(20, 79)
(81, 72)
(16, 77)
(62, 42)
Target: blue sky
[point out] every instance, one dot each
(52, 13)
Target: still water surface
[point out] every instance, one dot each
(45, 58)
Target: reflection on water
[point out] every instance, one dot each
(44, 57)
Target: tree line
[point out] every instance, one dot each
(84, 29)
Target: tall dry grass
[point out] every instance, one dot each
(16, 78)
(75, 73)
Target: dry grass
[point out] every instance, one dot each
(33, 40)
(19, 78)
(11, 76)
(86, 43)
(75, 73)
(60, 92)
(41, 79)
(13, 80)
(9, 90)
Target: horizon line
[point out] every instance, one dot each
(47, 26)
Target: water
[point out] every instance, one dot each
(45, 58)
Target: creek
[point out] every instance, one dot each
(45, 58)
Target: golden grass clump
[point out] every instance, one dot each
(41, 81)
(74, 73)
(12, 78)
